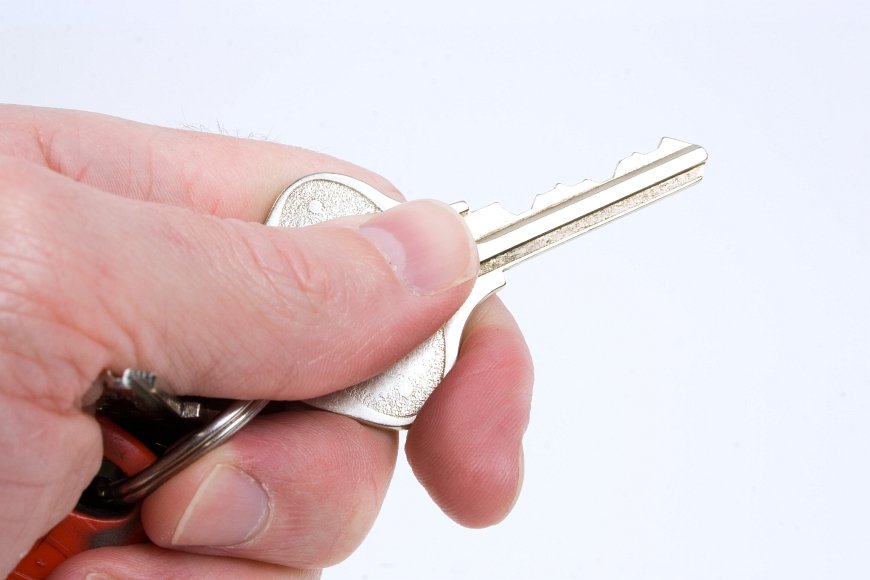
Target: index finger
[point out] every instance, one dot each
(213, 174)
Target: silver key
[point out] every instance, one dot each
(393, 398)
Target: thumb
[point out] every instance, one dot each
(227, 308)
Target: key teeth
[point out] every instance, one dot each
(488, 219)
(672, 145)
(496, 211)
(629, 164)
(636, 160)
(560, 193)
(491, 218)
(542, 200)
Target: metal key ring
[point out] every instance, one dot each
(143, 387)
(224, 426)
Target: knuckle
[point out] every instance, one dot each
(292, 276)
(42, 350)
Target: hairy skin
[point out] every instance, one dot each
(126, 245)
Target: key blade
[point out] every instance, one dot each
(565, 213)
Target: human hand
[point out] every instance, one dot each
(125, 245)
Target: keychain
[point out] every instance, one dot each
(108, 511)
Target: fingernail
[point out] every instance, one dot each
(427, 243)
(97, 576)
(228, 508)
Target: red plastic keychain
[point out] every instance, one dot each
(179, 429)
(89, 527)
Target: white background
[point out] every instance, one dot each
(703, 366)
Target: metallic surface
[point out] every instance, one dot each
(136, 487)
(145, 392)
(505, 239)
(393, 398)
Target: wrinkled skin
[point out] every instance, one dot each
(125, 245)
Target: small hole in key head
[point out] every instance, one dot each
(315, 206)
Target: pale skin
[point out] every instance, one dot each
(126, 245)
